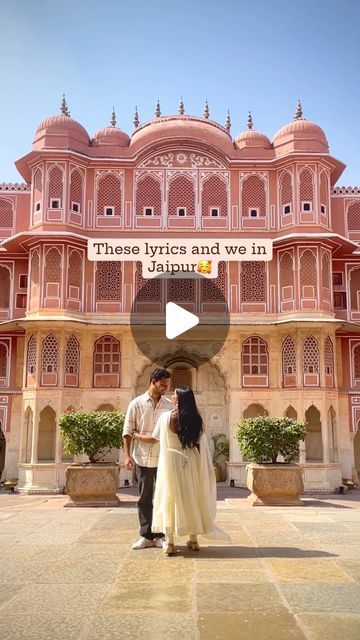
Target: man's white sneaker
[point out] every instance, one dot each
(142, 543)
(159, 543)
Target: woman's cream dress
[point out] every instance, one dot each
(185, 492)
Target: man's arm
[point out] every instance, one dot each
(129, 428)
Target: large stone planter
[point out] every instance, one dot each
(275, 484)
(92, 485)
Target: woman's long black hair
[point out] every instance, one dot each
(189, 420)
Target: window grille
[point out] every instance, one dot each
(286, 191)
(49, 356)
(211, 293)
(76, 190)
(253, 282)
(353, 216)
(329, 356)
(72, 355)
(306, 186)
(4, 288)
(148, 196)
(214, 196)
(254, 196)
(311, 357)
(254, 357)
(181, 194)
(55, 185)
(3, 360)
(108, 281)
(6, 214)
(31, 355)
(109, 194)
(289, 356)
(107, 355)
(355, 289)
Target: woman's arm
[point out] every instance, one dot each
(140, 437)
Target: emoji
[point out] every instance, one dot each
(204, 266)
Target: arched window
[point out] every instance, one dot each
(311, 362)
(108, 281)
(253, 282)
(306, 190)
(308, 280)
(148, 196)
(34, 280)
(55, 197)
(214, 197)
(253, 200)
(109, 195)
(107, 362)
(254, 360)
(324, 196)
(329, 362)
(47, 435)
(286, 282)
(31, 361)
(355, 289)
(289, 362)
(3, 364)
(325, 277)
(313, 438)
(6, 213)
(181, 200)
(148, 291)
(38, 190)
(76, 191)
(72, 362)
(52, 277)
(286, 194)
(356, 365)
(75, 276)
(49, 361)
(4, 288)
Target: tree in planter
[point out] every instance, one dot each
(92, 433)
(262, 440)
(220, 450)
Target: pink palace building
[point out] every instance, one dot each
(293, 346)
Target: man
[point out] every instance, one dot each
(141, 416)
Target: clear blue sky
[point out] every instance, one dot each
(248, 54)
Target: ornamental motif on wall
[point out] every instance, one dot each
(182, 159)
(14, 186)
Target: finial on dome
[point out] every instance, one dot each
(113, 118)
(298, 111)
(64, 108)
(250, 123)
(206, 113)
(181, 107)
(228, 121)
(136, 118)
(157, 110)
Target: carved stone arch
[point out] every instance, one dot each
(290, 412)
(47, 435)
(254, 410)
(313, 438)
(286, 190)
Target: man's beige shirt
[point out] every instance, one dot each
(142, 416)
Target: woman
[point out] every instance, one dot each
(185, 492)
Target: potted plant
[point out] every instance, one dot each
(220, 452)
(92, 433)
(262, 440)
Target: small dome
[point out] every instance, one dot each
(300, 135)
(252, 139)
(61, 131)
(110, 136)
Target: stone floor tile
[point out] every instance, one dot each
(150, 597)
(320, 527)
(97, 536)
(45, 627)
(308, 570)
(99, 553)
(51, 537)
(162, 625)
(309, 551)
(341, 551)
(168, 570)
(78, 572)
(320, 626)
(234, 597)
(351, 567)
(318, 597)
(248, 626)
(55, 598)
(8, 591)
(7, 539)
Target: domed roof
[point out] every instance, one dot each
(300, 135)
(182, 126)
(61, 131)
(110, 136)
(250, 138)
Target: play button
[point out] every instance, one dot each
(178, 320)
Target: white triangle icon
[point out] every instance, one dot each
(178, 320)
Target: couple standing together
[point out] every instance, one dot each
(166, 441)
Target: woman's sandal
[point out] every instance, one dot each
(193, 545)
(169, 549)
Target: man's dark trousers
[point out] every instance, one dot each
(146, 478)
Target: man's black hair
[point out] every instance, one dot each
(159, 374)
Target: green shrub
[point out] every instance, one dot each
(220, 447)
(91, 432)
(263, 438)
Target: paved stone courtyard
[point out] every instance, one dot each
(289, 573)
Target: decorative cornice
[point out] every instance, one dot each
(15, 186)
(346, 190)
